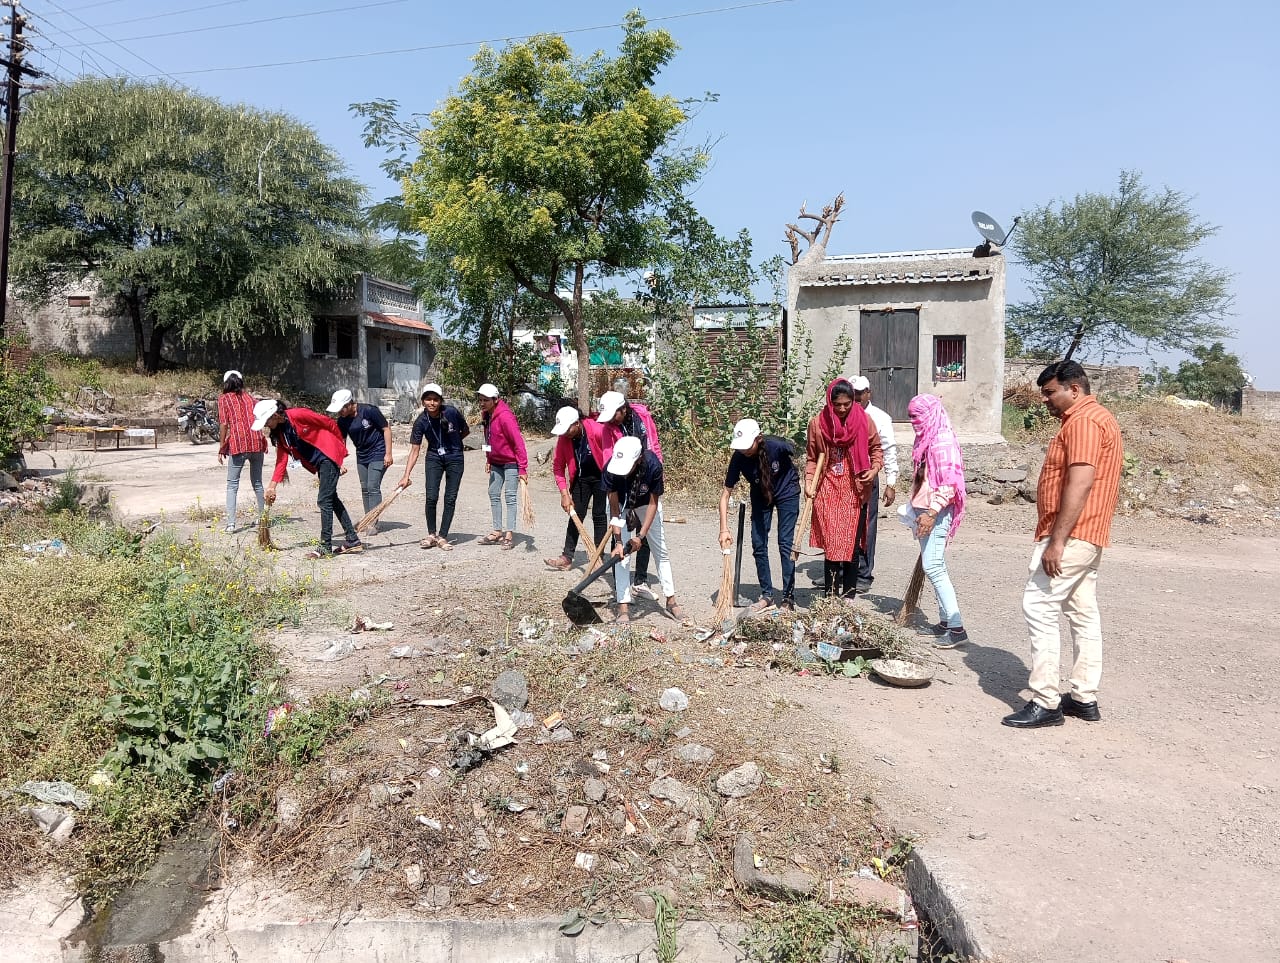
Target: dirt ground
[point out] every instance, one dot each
(1151, 836)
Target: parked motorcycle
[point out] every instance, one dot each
(195, 419)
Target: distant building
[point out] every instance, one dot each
(920, 322)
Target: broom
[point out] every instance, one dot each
(370, 518)
(724, 601)
(582, 533)
(803, 524)
(527, 518)
(912, 597)
(264, 531)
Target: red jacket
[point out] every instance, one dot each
(565, 465)
(315, 429)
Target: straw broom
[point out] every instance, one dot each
(724, 601)
(912, 597)
(264, 531)
(807, 510)
(527, 517)
(370, 518)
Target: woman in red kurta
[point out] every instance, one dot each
(854, 457)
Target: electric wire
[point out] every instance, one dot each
(240, 23)
(89, 53)
(159, 70)
(161, 16)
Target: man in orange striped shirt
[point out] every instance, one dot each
(1075, 500)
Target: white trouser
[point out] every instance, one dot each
(1073, 592)
(658, 548)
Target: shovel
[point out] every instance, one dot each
(579, 609)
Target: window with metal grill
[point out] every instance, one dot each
(949, 357)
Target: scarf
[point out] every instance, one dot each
(937, 448)
(849, 434)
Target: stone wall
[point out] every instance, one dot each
(1260, 405)
(78, 330)
(1020, 374)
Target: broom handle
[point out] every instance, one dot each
(577, 523)
(598, 550)
(807, 509)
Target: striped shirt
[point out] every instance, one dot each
(235, 410)
(1089, 435)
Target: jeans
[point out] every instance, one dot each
(371, 483)
(584, 492)
(761, 520)
(1073, 592)
(935, 567)
(658, 544)
(330, 504)
(235, 465)
(866, 557)
(503, 481)
(450, 469)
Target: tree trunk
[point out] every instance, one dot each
(139, 338)
(153, 351)
(1075, 342)
(580, 346)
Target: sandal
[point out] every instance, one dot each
(559, 563)
(442, 542)
(622, 621)
(493, 538)
(676, 611)
(508, 542)
(318, 553)
(428, 542)
(350, 548)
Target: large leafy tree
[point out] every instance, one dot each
(548, 169)
(202, 220)
(1211, 374)
(1112, 272)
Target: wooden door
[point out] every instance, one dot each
(889, 348)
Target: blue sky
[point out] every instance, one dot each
(919, 112)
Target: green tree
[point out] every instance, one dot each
(546, 168)
(202, 220)
(1211, 374)
(1113, 272)
(25, 389)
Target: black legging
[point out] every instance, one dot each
(840, 578)
(451, 470)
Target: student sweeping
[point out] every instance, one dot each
(766, 463)
(631, 419)
(368, 430)
(580, 458)
(313, 439)
(633, 481)
(845, 435)
(504, 453)
(441, 428)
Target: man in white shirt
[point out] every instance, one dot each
(871, 510)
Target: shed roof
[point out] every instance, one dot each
(395, 321)
(900, 267)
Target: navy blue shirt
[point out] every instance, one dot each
(782, 473)
(365, 428)
(443, 433)
(635, 490)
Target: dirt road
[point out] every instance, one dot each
(1151, 836)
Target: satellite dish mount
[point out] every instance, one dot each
(994, 236)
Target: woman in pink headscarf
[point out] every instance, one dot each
(843, 431)
(937, 502)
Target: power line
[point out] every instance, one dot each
(100, 3)
(241, 23)
(161, 16)
(472, 43)
(158, 70)
(88, 53)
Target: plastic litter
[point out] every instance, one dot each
(363, 624)
(57, 792)
(338, 649)
(48, 546)
(276, 717)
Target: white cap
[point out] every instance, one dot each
(859, 383)
(488, 391)
(610, 402)
(565, 419)
(431, 389)
(338, 401)
(625, 455)
(745, 434)
(228, 374)
(263, 410)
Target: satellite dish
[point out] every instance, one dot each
(989, 228)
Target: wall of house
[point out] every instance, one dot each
(80, 331)
(1260, 405)
(1126, 379)
(974, 309)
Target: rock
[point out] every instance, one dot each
(480, 841)
(7, 482)
(644, 905)
(380, 794)
(673, 700)
(436, 897)
(618, 819)
(740, 782)
(364, 860)
(288, 806)
(655, 766)
(684, 798)
(1027, 493)
(789, 885)
(511, 690)
(413, 876)
(1009, 476)
(877, 894)
(1240, 490)
(54, 821)
(595, 790)
(692, 752)
(575, 820)
(690, 836)
(684, 732)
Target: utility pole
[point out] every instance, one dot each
(17, 47)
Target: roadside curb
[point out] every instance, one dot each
(941, 900)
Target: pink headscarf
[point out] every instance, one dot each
(850, 433)
(937, 447)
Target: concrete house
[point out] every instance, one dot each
(920, 322)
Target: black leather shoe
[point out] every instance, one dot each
(1034, 716)
(1088, 711)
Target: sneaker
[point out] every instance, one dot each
(229, 529)
(643, 592)
(950, 638)
(1088, 711)
(788, 604)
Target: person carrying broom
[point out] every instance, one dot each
(937, 505)
(853, 457)
(580, 458)
(766, 463)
